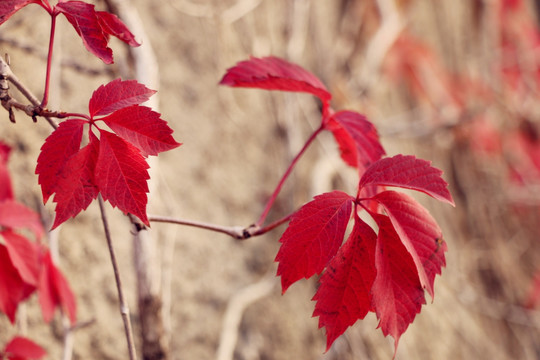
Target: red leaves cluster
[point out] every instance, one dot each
(26, 267)
(112, 164)
(94, 27)
(384, 271)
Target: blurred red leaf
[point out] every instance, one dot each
(313, 237)
(415, 64)
(272, 73)
(344, 294)
(20, 348)
(14, 215)
(6, 191)
(13, 289)
(54, 291)
(24, 256)
(533, 299)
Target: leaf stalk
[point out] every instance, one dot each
(277, 190)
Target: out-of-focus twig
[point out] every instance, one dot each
(391, 26)
(233, 315)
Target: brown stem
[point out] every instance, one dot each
(237, 232)
(9, 75)
(124, 309)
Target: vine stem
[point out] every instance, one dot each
(124, 309)
(272, 199)
(49, 62)
(237, 232)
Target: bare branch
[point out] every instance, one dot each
(237, 232)
(124, 309)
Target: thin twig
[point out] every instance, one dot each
(272, 198)
(124, 309)
(237, 232)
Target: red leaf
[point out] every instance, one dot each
(116, 95)
(76, 182)
(20, 348)
(357, 138)
(84, 19)
(62, 144)
(24, 256)
(54, 291)
(272, 73)
(344, 295)
(313, 237)
(410, 173)
(397, 294)
(143, 128)
(6, 191)
(14, 215)
(13, 289)
(112, 25)
(418, 232)
(121, 174)
(10, 7)
(94, 28)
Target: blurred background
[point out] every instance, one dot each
(454, 82)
